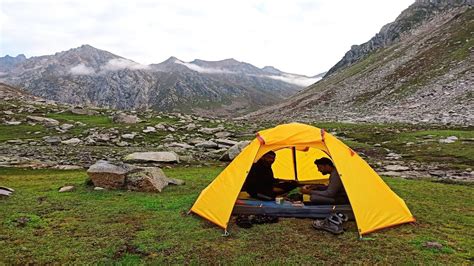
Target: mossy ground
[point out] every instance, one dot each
(40, 225)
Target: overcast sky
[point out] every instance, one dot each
(297, 36)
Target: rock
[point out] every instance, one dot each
(433, 244)
(122, 144)
(206, 130)
(180, 145)
(389, 173)
(223, 134)
(52, 140)
(126, 119)
(6, 191)
(207, 145)
(81, 111)
(43, 120)
(149, 129)
(147, 179)
(12, 123)
(66, 126)
(396, 168)
(98, 188)
(106, 175)
(66, 189)
(15, 141)
(233, 151)
(437, 173)
(190, 126)
(160, 126)
(72, 141)
(67, 167)
(450, 139)
(393, 156)
(226, 142)
(128, 136)
(165, 157)
(8, 112)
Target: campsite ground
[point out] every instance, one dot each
(40, 225)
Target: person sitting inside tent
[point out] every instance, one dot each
(261, 184)
(325, 194)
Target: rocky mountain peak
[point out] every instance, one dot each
(271, 70)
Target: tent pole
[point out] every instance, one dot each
(294, 162)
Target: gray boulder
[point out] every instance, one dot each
(207, 145)
(233, 151)
(43, 120)
(126, 119)
(106, 175)
(162, 157)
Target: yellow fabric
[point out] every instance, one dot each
(217, 200)
(283, 167)
(374, 204)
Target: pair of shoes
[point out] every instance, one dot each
(332, 223)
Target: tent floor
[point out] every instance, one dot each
(289, 209)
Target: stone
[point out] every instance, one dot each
(233, 151)
(66, 189)
(147, 179)
(15, 141)
(207, 144)
(389, 173)
(226, 142)
(433, 244)
(66, 126)
(223, 134)
(163, 157)
(128, 136)
(209, 131)
(190, 126)
(180, 145)
(450, 139)
(126, 119)
(396, 168)
(160, 126)
(13, 123)
(6, 191)
(72, 141)
(52, 140)
(8, 112)
(81, 111)
(106, 175)
(67, 167)
(149, 130)
(98, 188)
(43, 120)
(122, 144)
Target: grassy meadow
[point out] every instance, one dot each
(42, 226)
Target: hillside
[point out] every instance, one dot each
(418, 69)
(94, 77)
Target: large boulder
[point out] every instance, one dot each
(49, 122)
(161, 157)
(147, 179)
(126, 119)
(106, 175)
(233, 151)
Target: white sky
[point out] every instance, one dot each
(296, 36)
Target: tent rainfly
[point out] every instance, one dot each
(374, 204)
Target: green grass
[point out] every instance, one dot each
(87, 226)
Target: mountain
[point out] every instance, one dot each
(8, 62)
(90, 76)
(416, 69)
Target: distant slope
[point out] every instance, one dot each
(90, 76)
(422, 72)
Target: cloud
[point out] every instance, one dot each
(82, 69)
(203, 69)
(121, 63)
(297, 80)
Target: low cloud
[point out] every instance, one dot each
(203, 69)
(297, 80)
(120, 63)
(82, 69)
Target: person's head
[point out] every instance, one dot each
(268, 158)
(325, 165)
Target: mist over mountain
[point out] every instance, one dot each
(90, 76)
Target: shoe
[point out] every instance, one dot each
(328, 226)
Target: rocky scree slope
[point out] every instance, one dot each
(90, 76)
(417, 69)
